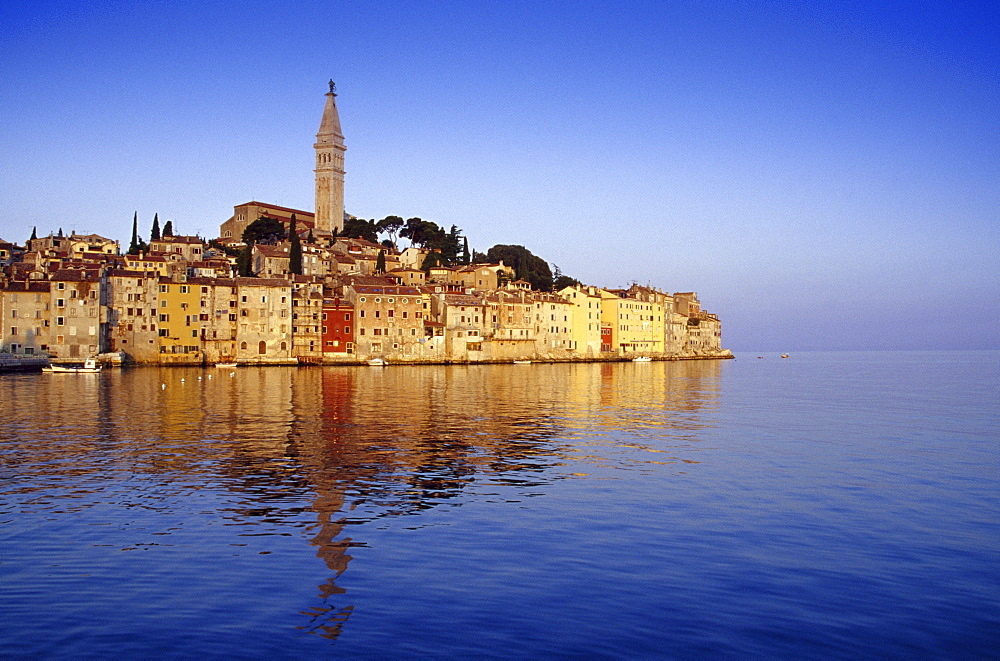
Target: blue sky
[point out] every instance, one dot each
(825, 175)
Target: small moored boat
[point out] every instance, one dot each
(89, 366)
(642, 359)
(230, 364)
(377, 362)
(522, 362)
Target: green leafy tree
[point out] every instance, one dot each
(154, 234)
(361, 229)
(390, 225)
(168, 228)
(264, 230)
(561, 280)
(449, 245)
(527, 266)
(432, 260)
(418, 231)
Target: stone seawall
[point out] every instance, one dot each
(19, 363)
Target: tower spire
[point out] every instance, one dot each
(330, 167)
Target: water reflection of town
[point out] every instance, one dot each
(358, 444)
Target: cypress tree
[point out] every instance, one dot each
(154, 234)
(295, 250)
(133, 246)
(380, 262)
(168, 228)
(34, 236)
(243, 261)
(466, 255)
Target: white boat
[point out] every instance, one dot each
(522, 362)
(642, 359)
(90, 366)
(377, 362)
(230, 365)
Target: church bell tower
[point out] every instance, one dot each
(330, 168)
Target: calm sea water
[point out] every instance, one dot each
(829, 505)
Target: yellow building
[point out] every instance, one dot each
(637, 326)
(585, 319)
(178, 322)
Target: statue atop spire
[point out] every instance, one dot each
(333, 87)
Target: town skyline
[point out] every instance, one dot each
(816, 175)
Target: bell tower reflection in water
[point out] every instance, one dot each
(390, 442)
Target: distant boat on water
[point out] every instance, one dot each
(642, 359)
(226, 364)
(522, 362)
(377, 362)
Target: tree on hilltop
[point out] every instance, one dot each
(168, 228)
(417, 231)
(359, 228)
(390, 225)
(432, 260)
(560, 280)
(527, 266)
(264, 230)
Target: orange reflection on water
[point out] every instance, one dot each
(358, 443)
